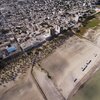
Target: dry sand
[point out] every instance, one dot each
(46, 85)
(26, 89)
(55, 77)
(93, 35)
(66, 63)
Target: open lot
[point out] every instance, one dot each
(93, 35)
(91, 90)
(70, 63)
(26, 89)
(56, 76)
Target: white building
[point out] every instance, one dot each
(57, 29)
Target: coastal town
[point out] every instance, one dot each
(25, 24)
(48, 48)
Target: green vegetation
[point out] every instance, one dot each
(91, 90)
(95, 22)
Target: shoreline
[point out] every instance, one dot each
(84, 80)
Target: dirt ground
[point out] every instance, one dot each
(93, 35)
(65, 65)
(55, 77)
(25, 89)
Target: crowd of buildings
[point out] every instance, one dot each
(25, 24)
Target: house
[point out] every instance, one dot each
(11, 49)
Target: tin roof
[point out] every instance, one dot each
(11, 49)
